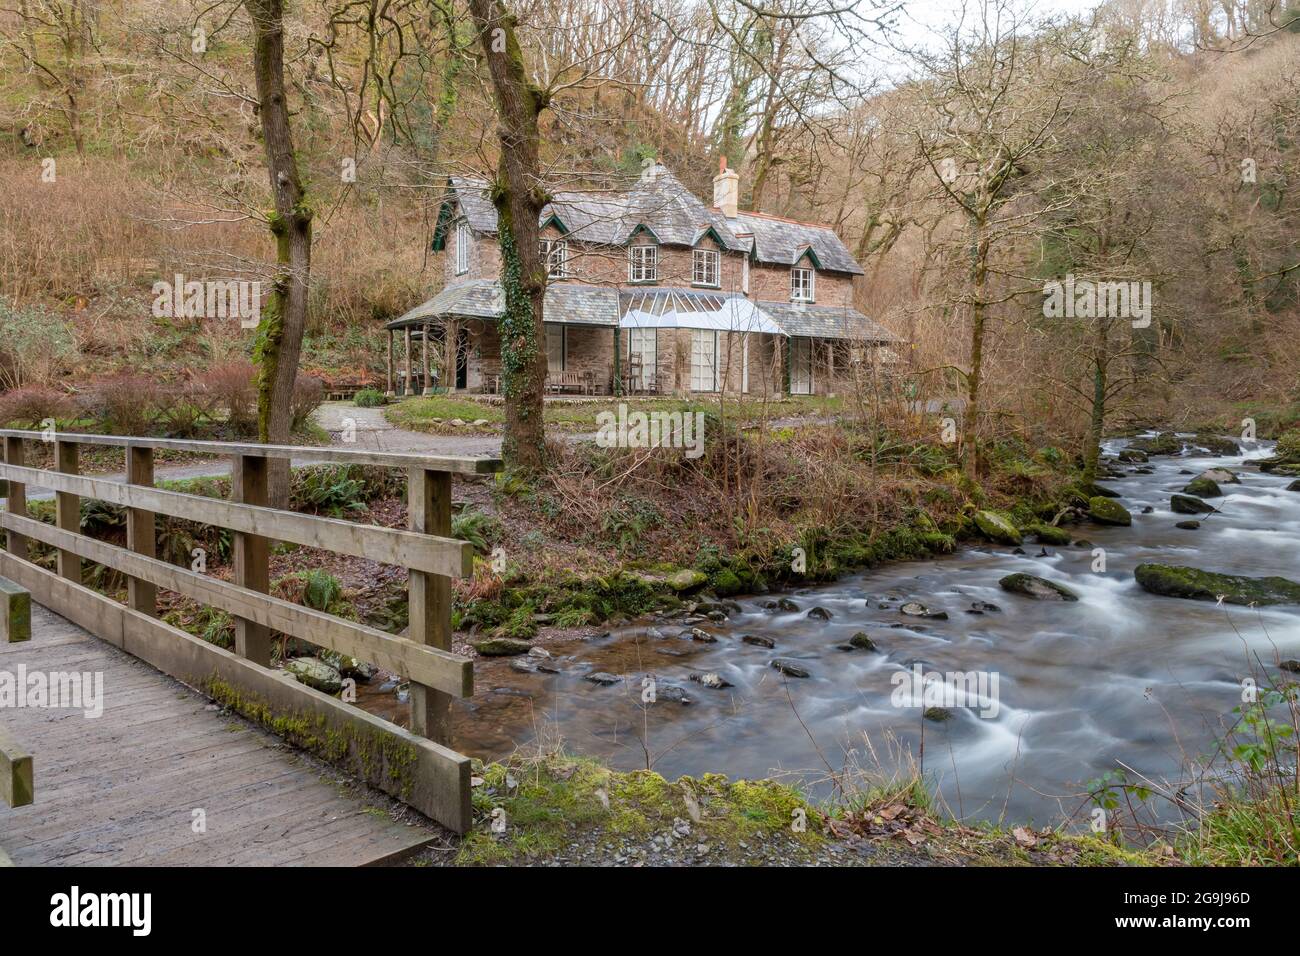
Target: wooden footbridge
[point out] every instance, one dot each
(126, 740)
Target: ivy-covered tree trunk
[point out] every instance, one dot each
(519, 197)
(974, 379)
(1097, 418)
(278, 345)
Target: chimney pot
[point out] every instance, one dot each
(726, 189)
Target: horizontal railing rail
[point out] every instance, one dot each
(425, 548)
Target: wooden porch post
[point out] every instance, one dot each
(389, 391)
(424, 343)
(618, 362)
(451, 332)
(407, 387)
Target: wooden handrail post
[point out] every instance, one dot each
(140, 532)
(67, 507)
(17, 503)
(429, 597)
(252, 563)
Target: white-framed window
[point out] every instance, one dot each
(704, 360)
(801, 369)
(642, 355)
(555, 253)
(802, 284)
(556, 340)
(463, 240)
(704, 267)
(643, 264)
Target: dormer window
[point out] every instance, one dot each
(801, 284)
(704, 267)
(555, 253)
(462, 247)
(643, 264)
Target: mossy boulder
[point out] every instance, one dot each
(1108, 511)
(997, 528)
(1216, 444)
(1203, 487)
(1294, 486)
(1187, 505)
(1040, 589)
(1050, 534)
(1162, 443)
(687, 579)
(726, 582)
(1133, 456)
(1197, 585)
(862, 642)
(315, 673)
(502, 647)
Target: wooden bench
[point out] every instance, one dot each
(580, 382)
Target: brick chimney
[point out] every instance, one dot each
(726, 189)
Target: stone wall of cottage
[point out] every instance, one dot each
(772, 284)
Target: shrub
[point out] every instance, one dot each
(123, 404)
(476, 527)
(30, 405)
(35, 346)
(230, 388)
(327, 489)
(308, 394)
(314, 588)
(369, 398)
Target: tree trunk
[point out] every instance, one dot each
(518, 197)
(970, 419)
(1097, 422)
(278, 345)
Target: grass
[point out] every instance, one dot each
(419, 414)
(549, 803)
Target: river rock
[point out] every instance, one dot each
(1106, 511)
(1203, 487)
(1040, 589)
(502, 647)
(1221, 475)
(759, 641)
(785, 604)
(1188, 525)
(711, 681)
(937, 714)
(1148, 510)
(1292, 665)
(603, 678)
(687, 579)
(1216, 444)
(862, 642)
(996, 528)
(704, 637)
(673, 694)
(1197, 585)
(820, 614)
(917, 609)
(1187, 505)
(788, 667)
(1050, 534)
(315, 673)
(983, 607)
(1133, 456)
(1294, 486)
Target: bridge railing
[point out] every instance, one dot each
(415, 766)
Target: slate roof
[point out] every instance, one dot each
(826, 322)
(657, 201)
(783, 242)
(483, 298)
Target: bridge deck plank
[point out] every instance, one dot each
(121, 788)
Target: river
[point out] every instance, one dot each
(1120, 676)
